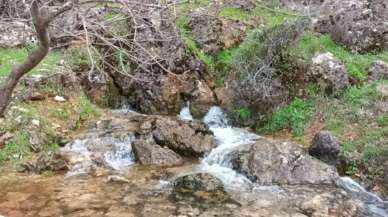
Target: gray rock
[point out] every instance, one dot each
(325, 147)
(270, 162)
(378, 71)
(329, 72)
(200, 186)
(190, 138)
(147, 152)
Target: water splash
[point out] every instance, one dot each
(374, 205)
(110, 151)
(217, 162)
(185, 113)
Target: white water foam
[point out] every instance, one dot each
(185, 113)
(228, 138)
(375, 206)
(114, 152)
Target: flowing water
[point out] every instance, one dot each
(105, 181)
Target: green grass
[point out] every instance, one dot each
(272, 17)
(191, 5)
(293, 117)
(356, 64)
(87, 110)
(12, 56)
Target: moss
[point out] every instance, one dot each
(356, 64)
(9, 57)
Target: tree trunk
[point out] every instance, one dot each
(41, 19)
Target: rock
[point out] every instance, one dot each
(33, 95)
(153, 86)
(18, 34)
(378, 70)
(215, 33)
(189, 138)
(4, 137)
(147, 152)
(117, 179)
(359, 24)
(59, 99)
(270, 162)
(329, 72)
(242, 4)
(325, 147)
(200, 186)
(46, 162)
(382, 89)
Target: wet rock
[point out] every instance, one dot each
(46, 162)
(325, 147)
(329, 72)
(276, 162)
(378, 71)
(117, 179)
(190, 138)
(200, 186)
(319, 206)
(164, 75)
(147, 152)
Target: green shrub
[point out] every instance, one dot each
(243, 113)
(294, 117)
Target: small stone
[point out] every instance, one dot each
(117, 179)
(35, 122)
(59, 99)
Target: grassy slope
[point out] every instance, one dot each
(11, 56)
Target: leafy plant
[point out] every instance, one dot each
(294, 117)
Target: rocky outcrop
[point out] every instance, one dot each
(18, 34)
(378, 70)
(163, 75)
(359, 24)
(190, 138)
(147, 152)
(46, 162)
(329, 73)
(199, 186)
(215, 33)
(325, 147)
(275, 162)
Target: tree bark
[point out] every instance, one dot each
(41, 19)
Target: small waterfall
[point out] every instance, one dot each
(374, 205)
(228, 138)
(185, 113)
(110, 151)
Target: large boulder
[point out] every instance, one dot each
(325, 147)
(147, 152)
(199, 186)
(359, 24)
(378, 70)
(189, 138)
(329, 73)
(270, 162)
(163, 75)
(214, 33)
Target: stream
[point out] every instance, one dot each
(116, 186)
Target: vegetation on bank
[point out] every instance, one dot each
(312, 43)
(12, 56)
(47, 123)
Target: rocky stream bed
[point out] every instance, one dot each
(133, 165)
